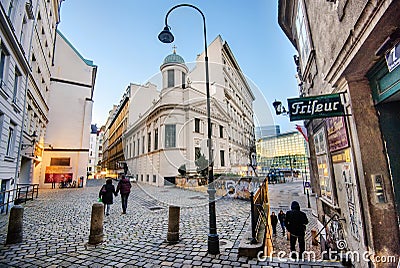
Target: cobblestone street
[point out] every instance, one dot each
(57, 224)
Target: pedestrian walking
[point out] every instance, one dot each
(274, 222)
(295, 223)
(124, 186)
(281, 218)
(106, 194)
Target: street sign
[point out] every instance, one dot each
(315, 107)
(393, 57)
(307, 184)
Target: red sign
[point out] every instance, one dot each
(337, 134)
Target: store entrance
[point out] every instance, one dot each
(389, 119)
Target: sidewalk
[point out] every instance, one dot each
(57, 224)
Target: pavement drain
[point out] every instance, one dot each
(197, 197)
(155, 208)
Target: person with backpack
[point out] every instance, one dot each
(106, 195)
(124, 186)
(295, 223)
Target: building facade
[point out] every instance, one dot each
(117, 122)
(171, 129)
(354, 159)
(286, 153)
(91, 167)
(28, 30)
(66, 142)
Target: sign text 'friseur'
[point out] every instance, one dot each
(315, 107)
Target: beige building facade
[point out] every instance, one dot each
(350, 47)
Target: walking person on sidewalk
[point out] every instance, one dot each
(106, 194)
(274, 222)
(295, 223)
(124, 186)
(281, 218)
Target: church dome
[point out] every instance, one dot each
(173, 58)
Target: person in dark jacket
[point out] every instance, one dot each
(274, 222)
(281, 218)
(295, 223)
(106, 194)
(124, 186)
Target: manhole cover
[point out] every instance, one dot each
(155, 208)
(197, 197)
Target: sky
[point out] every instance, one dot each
(120, 37)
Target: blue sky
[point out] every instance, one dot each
(121, 38)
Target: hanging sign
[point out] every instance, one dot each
(315, 107)
(393, 57)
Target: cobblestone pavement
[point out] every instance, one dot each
(57, 225)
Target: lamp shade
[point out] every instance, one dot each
(278, 107)
(166, 36)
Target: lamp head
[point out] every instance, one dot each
(278, 107)
(166, 36)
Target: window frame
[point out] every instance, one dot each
(170, 136)
(170, 78)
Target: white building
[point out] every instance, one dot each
(91, 166)
(27, 35)
(66, 147)
(168, 128)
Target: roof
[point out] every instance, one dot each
(173, 58)
(88, 62)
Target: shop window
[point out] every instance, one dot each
(325, 180)
(60, 161)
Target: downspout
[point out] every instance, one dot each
(25, 98)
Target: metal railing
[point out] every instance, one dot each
(260, 210)
(21, 194)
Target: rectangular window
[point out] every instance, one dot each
(211, 127)
(143, 144)
(3, 66)
(325, 180)
(11, 140)
(304, 44)
(148, 178)
(170, 136)
(197, 125)
(171, 78)
(197, 153)
(154, 178)
(61, 161)
(148, 142)
(222, 157)
(156, 139)
(10, 9)
(183, 80)
(134, 148)
(221, 131)
(138, 146)
(141, 177)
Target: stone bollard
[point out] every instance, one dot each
(314, 237)
(15, 225)
(96, 224)
(173, 224)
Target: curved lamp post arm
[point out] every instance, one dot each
(202, 15)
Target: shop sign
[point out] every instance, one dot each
(393, 57)
(337, 134)
(315, 107)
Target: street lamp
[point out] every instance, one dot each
(166, 37)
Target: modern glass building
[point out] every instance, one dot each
(286, 153)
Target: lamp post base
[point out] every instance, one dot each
(213, 244)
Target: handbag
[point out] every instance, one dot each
(100, 200)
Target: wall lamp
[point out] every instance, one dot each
(33, 141)
(279, 108)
